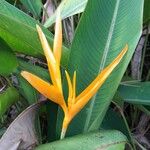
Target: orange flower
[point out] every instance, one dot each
(54, 91)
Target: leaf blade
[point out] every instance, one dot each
(96, 140)
(8, 98)
(68, 8)
(98, 40)
(17, 26)
(135, 92)
(8, 59)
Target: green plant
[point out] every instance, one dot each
(54, 91)
(102, 32)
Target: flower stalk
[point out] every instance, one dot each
(53, 91)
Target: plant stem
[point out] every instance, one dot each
(142, 148)
(131, 138)
(125, 121)
(64, 126)
(15, 2)
(63, 133)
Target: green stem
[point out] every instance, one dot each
(131, 138)
(15, 2)
(126, 124)
(142, 148)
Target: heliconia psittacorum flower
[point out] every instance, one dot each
(53, 91)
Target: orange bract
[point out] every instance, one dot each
(43, 87)
(54, 91)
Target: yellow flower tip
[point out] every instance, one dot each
(45, 45)
(51, 61)
(57, 48)
(125, 49)
(70, 89)
(38, 27)
(74, 86)
(39, 30)
(74, 76)
(25, 74)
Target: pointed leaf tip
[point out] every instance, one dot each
(70, 89)
(24, 74)
(38, 27)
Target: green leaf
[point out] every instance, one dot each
(117, 99)
(19, 32)
(104, 30)
(146, 11)
(108, 140)
(8, 98)
(68, 8)
(37, 70)
(135, 92)
(8, 60)
(34, 6)
(109, 122)
(25, 88)
(27, 91)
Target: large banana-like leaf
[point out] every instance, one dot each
(101, 140)
(19, 32)
(27, 91)
(104, 30)
(135, 92)
(68, 8)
